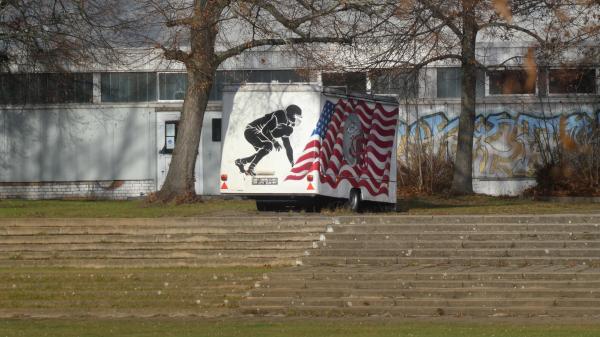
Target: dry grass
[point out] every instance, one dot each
(480, 204)
(305, 327)
(120, 209)
(118, 292)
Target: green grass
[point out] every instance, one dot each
(124, 291)
(480, 204)
(289, 328)
(120, 209)
(414, 206)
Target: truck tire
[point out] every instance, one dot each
(355, 200)
(262, 206)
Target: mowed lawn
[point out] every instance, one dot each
(294, 327)
(215, 207)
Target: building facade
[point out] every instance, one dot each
(109, 133)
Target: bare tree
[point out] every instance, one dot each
(419, 32)
(202, 34)
(54, 35)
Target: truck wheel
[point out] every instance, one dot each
(355, 201)
(262, 206)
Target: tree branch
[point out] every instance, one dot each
(437, 13)
(222, 56)
(175, 54)
(293, 24)
(509, 26)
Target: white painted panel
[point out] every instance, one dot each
(208, 165)
(163, 160)
(63, 144)
(247, 105)
(209, 154)
(502, 187)
(253, 103)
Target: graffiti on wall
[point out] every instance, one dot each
(506, 144)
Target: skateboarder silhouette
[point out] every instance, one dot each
(262, 133)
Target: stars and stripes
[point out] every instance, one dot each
(324, 151)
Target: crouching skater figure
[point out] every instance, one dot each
(262, 133)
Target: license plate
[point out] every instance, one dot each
(264, 181)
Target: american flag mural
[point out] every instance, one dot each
(351, 142)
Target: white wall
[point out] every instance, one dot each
(77, 144)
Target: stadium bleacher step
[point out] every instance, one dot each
(478, 266)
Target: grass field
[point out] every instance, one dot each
(246, 327)
(178, 302)
(480, 204)
(118, 292)
(412, 206)
(120, 209)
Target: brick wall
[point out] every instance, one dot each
(111, 189)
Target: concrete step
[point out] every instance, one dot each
(462, 236)
(174, 238)
(443, 253)
(149, 254)
(285, 219)
(130, 262)
(473, 266)
(158, 246)
(450, 261)
(251, 241)
(441, 276)
(433, 228)
(467, 219)
(355, 301)
(456, 244)
(416, 284)
(429, 293)
(144, 230)
(251, 221)
(476, 311)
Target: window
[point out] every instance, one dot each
(280, 76)
(172, 86)
(233, 77)
(572, 81)
(405, 85)
(128, 87)
(350, 81)
(449, 82)
(46, 88)
(170, 137)
(216, 129)
(511, 82)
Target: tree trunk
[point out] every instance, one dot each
(462, 180)
(179, 183)
(201, 67)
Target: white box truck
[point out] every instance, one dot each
(298, 142)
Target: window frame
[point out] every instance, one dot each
(158, 98)
(156, 88)
(213, 123)
(457, 69)
(54, 88)
(571, 94)
(346, 74)
(488, 83)
(165, 150)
